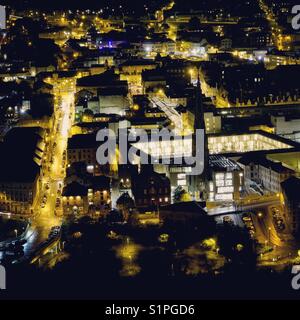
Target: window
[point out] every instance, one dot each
(181, 182)
(228, 182)
(220, 183)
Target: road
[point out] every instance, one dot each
(282, 42)
(231, 209)
(53, 173)
(284, 246)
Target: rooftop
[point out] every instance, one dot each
(103, 79)
(218, 162)
(82, 141)
(21, 153)
(137, 62)
(74, 189)
(263, 161)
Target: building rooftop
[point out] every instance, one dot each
(103, 79)
(221, 163)
(137, 62)
(21, 154)
(74, 189)
(113, 91)
(263, 161)
(82, 141)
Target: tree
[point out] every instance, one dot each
(114, 216)
(125, 201)
(236, 245)
(125, 204)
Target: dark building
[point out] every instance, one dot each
(151, 189)
(82, 148)
(290, 190)
(183, 212)
(20, 163)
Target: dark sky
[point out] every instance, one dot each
(71, 4)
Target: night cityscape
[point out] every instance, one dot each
(150, 149)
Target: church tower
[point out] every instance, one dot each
(199, 183)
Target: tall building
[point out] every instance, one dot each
(290, 188)
(198, 184)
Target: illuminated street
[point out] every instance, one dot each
(49, 215)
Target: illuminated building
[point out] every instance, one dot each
(113, 100)
(269, 174)
(87, 196)
(227, 180)
(252, 141)
(218, 144)
(158, 46)
(213, 123)
(287, 126)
